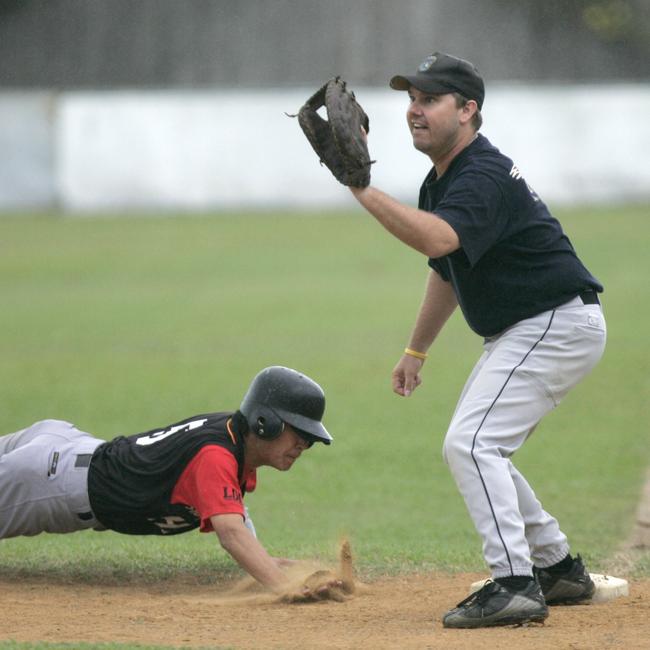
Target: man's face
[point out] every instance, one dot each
(433, 121)
(283, 452)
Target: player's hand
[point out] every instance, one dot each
(328, 590)
(405, 376)
(320, 585)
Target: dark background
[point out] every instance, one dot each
(67, 44)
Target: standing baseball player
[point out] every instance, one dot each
(494, 248)
(192, 474)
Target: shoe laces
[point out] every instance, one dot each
(481, 596)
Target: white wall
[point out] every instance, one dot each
(204, 151)
(26, 149)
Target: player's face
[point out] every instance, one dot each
(286, 449)
(433, 121)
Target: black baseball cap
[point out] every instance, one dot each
(442, 73)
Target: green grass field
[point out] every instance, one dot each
(122, 324)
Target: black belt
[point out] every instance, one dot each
(83, 460)
(589, 297)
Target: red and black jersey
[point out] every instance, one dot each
(170, 480)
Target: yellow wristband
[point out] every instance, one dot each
(415, 353)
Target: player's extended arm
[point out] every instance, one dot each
(421, 230)
(247, 551)
(437, 306)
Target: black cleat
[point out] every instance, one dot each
(570, 587)
(495, 604)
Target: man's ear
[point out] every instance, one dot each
(468, 111)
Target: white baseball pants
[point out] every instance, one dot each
(43, 484)
(523, 374)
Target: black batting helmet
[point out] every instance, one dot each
(278, 395)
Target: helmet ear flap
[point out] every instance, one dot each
(278, 395)
(266, 424)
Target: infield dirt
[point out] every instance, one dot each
(398, 612)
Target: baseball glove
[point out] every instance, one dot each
(338, 141)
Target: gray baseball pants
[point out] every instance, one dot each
(523, 374)
(44, 480)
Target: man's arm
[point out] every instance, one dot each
(421, 230)
(280, 561)
(247, 551)
(437, 306)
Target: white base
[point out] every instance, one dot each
(607, 587)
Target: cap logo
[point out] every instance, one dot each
(427, 63)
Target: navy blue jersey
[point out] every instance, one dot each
(514, 261)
